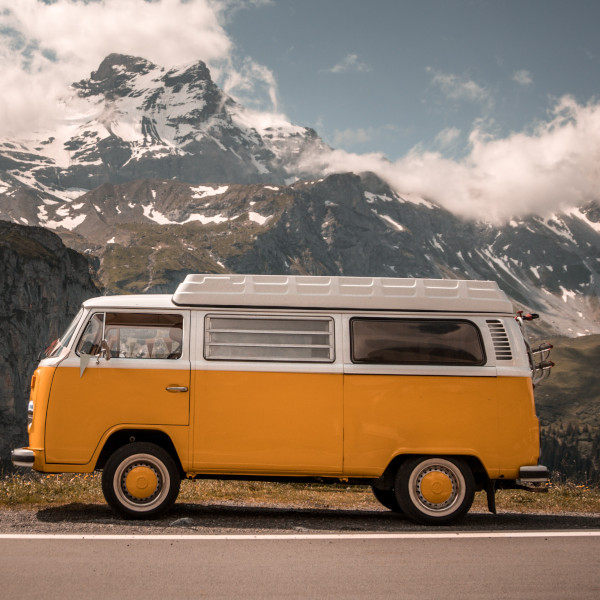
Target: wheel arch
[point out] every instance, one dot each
(386, 481)
(122, 437)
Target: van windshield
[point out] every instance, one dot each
(58, 345)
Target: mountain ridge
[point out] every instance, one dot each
(163, 174)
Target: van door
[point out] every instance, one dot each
(139, 376)
(268, 395)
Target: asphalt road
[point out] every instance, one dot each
(85, 552)
(538, 567)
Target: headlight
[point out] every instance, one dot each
(30, 413)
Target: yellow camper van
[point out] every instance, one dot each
(422, 389)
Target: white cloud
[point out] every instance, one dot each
(349, 63)
(352, 136)
(523, 77)
(45, 47)
(459, 88)
(250, 83)
(554, 166)
(447, 136)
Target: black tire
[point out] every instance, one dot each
(140, 481)
(387, 498)
(435, 490)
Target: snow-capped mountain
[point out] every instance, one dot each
(158, 173)
(133, 119)
(149, 234)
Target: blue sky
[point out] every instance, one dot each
(387, 75)
(489, 107)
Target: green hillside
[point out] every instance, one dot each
(568, 405)
(572, 393)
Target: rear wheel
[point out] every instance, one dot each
(433, 490)
(140, 480)
(387, 498)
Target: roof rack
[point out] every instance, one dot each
(363, 293)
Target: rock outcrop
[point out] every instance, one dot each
(42, 284)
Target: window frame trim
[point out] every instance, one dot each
(287, 317)
(103, 312)
(453, 365)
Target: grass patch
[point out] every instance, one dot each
(34, 490)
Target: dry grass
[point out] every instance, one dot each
(43, 490)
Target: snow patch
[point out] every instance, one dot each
(69, 223)
(151, 213)
(373, 197)
(566, 294)
(270, 187)
(257, 218)
(436, 244)
(206, 220)
(576, 212)
(554, 223)
(416, 199)
(203, 191)
(391, 221)
(71, 194)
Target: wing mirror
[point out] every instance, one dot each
(84, 358)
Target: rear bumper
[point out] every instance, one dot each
(22, 457)
(534, 474)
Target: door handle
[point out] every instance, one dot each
(174, 389)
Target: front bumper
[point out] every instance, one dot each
(22, 457)
(534, 474)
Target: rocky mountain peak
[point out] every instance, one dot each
(113, 76)
(189, 74)
(133, 119)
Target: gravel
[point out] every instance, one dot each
(232, 519)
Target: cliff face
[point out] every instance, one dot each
(42, 284)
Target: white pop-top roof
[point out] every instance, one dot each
(359, 293)
(141, 301)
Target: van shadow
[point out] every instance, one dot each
(218, 518)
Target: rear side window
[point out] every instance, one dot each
(134, 335)
(416, 342)
(264, 338)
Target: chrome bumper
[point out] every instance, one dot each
(535, 474)
(22, 457)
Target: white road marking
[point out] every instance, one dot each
(307, 536)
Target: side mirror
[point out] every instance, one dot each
(84, 357)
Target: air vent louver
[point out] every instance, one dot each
(500, 339)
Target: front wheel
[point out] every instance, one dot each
(433, 490)
(140, 481)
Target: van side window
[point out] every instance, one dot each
(416, 342)
(264, 338)
(135, 335)
(89, 343)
